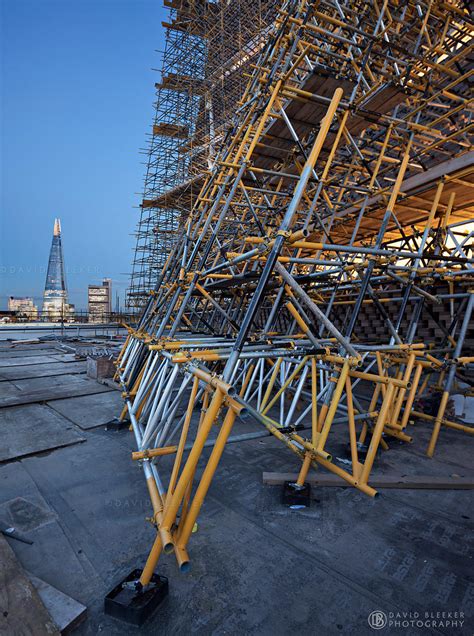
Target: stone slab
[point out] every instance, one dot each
(65, 612)
(14, 361)
(90, 411)
(53, 391)
(41, 370)
(32, 429)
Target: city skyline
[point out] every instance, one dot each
(91, 117)
(40, 296)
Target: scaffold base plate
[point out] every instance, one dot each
(117, 424)
(130, 605)
(293, 495)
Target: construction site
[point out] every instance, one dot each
(284, 440)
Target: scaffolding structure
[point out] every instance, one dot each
(176, 108)
(332, 229)
(206, 53)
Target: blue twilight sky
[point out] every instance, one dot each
(77, 95)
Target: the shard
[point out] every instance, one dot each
(55, 305)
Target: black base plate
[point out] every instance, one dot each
(293, 495)
(117, 424)
(135, 606)
(361, 450)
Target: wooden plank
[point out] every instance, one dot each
(21, 609)
(461, 162)
(65, 612)
(33, 341)
(415, 482)
(166, 129)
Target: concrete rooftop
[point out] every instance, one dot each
(258, 567)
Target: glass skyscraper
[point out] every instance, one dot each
(55, 305)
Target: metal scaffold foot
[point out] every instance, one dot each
(132, 603)
(117, 424)
(296, 495)
(362, 450)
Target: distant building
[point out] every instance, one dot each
(23, 307)
(100, 301)
(107, 282)
(55, 305)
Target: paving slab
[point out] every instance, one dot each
(41, 370)
(30, 351)
(13, 361)
(65, 612)
(50, 389)
(30, 385)
(33, 428)
(25, 387)
(7, 389)
(25, 345)
(90, 411)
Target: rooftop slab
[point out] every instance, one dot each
(257, 567)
